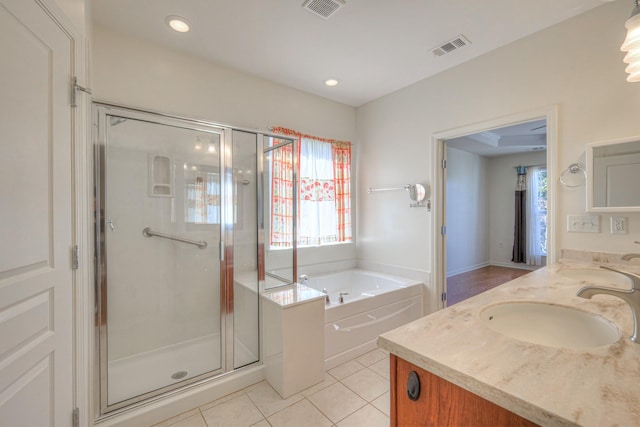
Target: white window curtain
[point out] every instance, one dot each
(534, 230)
(318, 223)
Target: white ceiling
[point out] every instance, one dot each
(373, 47)
(519, 138)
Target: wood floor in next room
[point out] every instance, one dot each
(354, 394)
(471, 283)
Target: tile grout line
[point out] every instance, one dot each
(353, 363)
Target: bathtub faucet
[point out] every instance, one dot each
(304, 279)
(342, 294)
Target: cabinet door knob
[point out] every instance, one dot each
(413, 386)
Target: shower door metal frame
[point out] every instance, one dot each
(262, 242)
(100, 113)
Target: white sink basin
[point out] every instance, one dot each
(550, 325)
(597, 276)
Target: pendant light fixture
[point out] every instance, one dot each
(631, 45)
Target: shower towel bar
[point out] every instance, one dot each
(148, 232)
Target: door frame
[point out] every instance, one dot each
(438, 249)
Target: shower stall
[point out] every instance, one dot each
(179, 252)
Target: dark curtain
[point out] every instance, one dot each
(520, 227)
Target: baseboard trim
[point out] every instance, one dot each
(467, 269)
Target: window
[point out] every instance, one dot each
(203, 197)
(324, 192)
(537, 215)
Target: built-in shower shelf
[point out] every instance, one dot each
(160, 175)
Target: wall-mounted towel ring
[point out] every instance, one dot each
(573, 176)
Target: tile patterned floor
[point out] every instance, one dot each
(355, 393)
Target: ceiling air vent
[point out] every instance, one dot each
(450, 46)
(323, 8)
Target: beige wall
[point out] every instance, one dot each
(134, 72)
(575, 65)
(468, 211)
(139, 73)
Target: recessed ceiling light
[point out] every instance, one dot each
(177, 23)
(331, 82)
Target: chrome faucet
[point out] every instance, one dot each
(304, 279)
(342, 294)
(326, 298)
(627, 257)
(631, 297)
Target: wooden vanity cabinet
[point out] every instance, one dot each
(441, 403)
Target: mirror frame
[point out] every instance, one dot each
(589, 165)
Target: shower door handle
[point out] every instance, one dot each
(221, 250)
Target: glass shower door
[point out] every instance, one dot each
(161, 226)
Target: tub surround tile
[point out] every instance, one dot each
(421, 276)
(291, 295)
(366, 416)
(326, 267)
(299, 414)
(337, 402)
(236, 412)
(547, 385)
(367, 384)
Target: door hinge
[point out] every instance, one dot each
(75, 258)
(75, 87)
(444, 297)
(443, 230)
(444, 163)
(75, 417)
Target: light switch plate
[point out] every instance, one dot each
(618, 225)
(583, 223)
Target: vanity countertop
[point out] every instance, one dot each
(550, 386)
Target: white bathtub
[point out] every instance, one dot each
(375, 303)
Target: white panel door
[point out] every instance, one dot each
(36, 309)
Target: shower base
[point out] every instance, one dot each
(145, 372)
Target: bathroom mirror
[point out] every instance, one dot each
(613, 175)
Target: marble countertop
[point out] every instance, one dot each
(550, 386)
